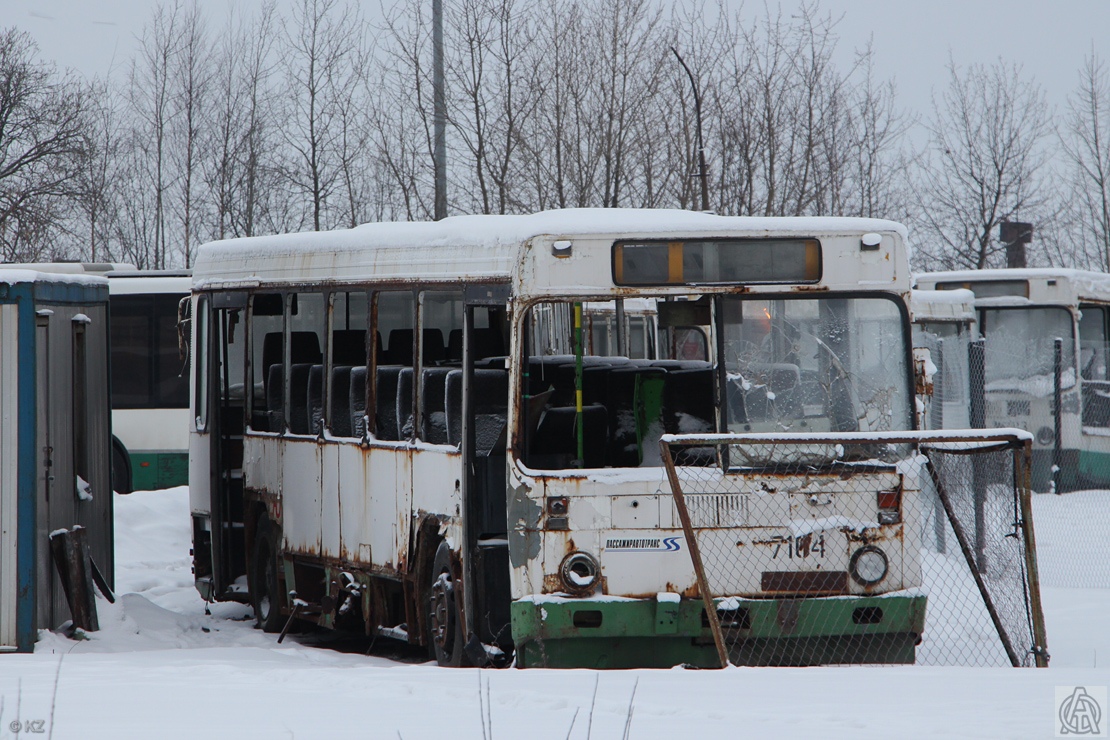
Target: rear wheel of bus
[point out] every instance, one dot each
(445, 636)
(266, 593)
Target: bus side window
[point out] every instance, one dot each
(267, 339)
(307, 326)
(394, 347)
(350, 319)
(441, 349)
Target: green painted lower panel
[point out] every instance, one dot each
(645, 633)
(151, 470)
(1094, 468)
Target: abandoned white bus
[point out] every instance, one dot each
(1060, 393)
(398, 428)
(944, 323)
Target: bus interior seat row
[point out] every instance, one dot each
(627, 404)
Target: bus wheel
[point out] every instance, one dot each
(121, 467)
(445, 630)
(266, 591)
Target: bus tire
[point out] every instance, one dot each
(266, 587)
(445, 637)
(121, 467)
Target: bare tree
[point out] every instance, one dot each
(191, 87)
(150, 92)
(988, 150)
(42, 140)
(320, 55)
(98, 176)
(1086, 142)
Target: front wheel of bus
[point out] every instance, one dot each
(266, 589)
(444, 627)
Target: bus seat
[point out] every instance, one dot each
(399, 350)
(348, 347)
(594, 378)
(634, 400)
(555, 444)
(304, 348)
(454, 352)
(688, 401)
(316, 399)
(385, 402)
(432, 350)
(340, 411)
(275, 398)
(405, 425)
(356, 401)
(298, 398)
(433, 385)
(491, 409)
(488, 343)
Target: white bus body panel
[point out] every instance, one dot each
(152, 430)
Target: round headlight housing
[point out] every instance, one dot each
(580, 573)
(1045, 436)
(868, 565)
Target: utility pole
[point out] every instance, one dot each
(702, 174)
(439, 113)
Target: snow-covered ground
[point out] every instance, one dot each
(161, 668)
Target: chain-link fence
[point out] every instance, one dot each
(853, 548)
(1026, 373)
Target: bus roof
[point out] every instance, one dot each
(478, 247)
(942, 305)
(147, 282)
(1042, 284)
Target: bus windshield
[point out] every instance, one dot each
(815, 365)
(1020, 348)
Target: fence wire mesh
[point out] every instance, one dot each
(1027, 373)
(841, 549)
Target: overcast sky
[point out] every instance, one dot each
(912, 40)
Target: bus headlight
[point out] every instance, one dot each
(580, 573)
(868, 565)
(1045, 436)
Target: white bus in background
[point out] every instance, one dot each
(149, 373)
(944, 323)
(1045, 333)
(408, 429)
(150, 379)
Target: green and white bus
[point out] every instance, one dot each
(404, 429)
(1045, 365)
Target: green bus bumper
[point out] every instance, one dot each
(152, 470)
(648, 633)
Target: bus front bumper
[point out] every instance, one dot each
(554, 632)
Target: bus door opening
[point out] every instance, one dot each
(485, 406)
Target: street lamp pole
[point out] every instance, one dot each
(702, 174)
(439, 112)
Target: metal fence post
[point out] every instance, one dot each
(1024, 457)
(695, 554)
(1057, 410)
(977, 369)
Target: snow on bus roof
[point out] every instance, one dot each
(16, 274)
(485, 244)
(942, 305)
(1082, 279)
